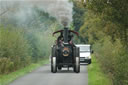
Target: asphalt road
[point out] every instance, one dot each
(43, 76)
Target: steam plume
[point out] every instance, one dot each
(60, 9)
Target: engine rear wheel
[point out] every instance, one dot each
(53, 65)
(77, 65)
(76, 60)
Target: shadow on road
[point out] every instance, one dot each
(65, 71)
(83, 64)
(47, 70)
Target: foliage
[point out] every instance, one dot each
(26, 40)
(15, 51)
(113, 57)
(95, 74)
(112, 13)
(6, 79)
(78, 15)
(78, 19)
(105, 27)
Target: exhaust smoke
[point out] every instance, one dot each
(60, 9)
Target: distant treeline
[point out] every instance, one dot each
(105, 26)
(23, 43)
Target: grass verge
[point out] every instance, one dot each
(95, 74)
(7, 78)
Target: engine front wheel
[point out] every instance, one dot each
(53, 65)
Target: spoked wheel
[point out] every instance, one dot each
(77, 65)
(53, 65)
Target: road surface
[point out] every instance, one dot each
(43, 76)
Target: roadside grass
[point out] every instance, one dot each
(95, 74)
(5, 79)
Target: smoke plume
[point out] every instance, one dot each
(60, 9)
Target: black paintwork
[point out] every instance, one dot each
(64, 41)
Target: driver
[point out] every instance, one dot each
(60, 38)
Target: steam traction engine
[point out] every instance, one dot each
(64, 52)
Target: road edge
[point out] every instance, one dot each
(5, 79)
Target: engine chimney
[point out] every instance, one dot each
(65, 34)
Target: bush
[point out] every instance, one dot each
(20, 47)
(6, 65)
(25, 40)
(14, 50)
(113, 58)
